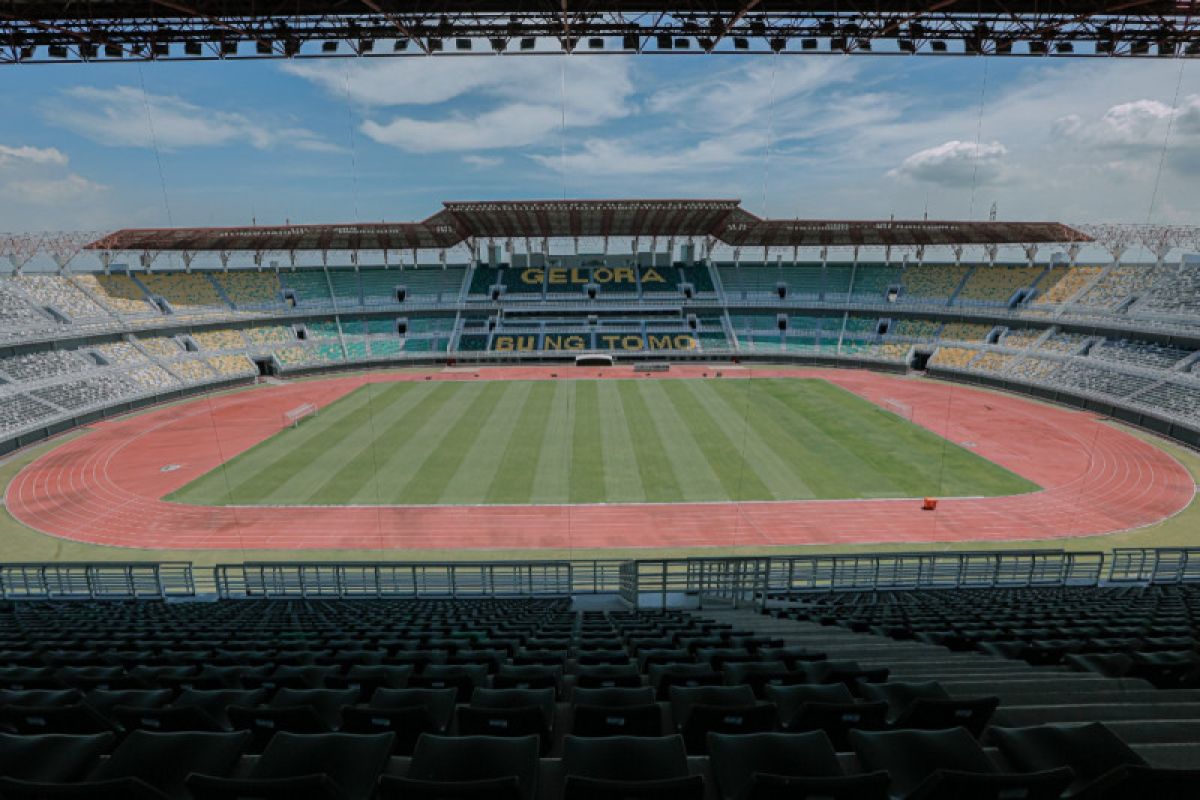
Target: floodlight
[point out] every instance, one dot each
(113, 50)
(1003, 47)
(462, 44)
(906, 45)
(629, 42)
(839, 43)
(1139, 48)
(1039, 48)
(160, 49)
(683, 44)
(229, 48)
(329, 47)
(366, 45)
(191, 48)
(595, 44)
(937, 46)
(741, 43)
(778, 44)
(808, 44)
(400, 45)
(88, 50)
(56, 51)
(1064, 48)
(435, 45)
(263, 48)
(528, 43)
(864, 45)
(664, 42)
(498, 45)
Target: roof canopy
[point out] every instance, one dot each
(723, 220)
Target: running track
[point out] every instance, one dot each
(104, 487)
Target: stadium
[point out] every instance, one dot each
(592, 499)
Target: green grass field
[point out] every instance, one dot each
(581, 441)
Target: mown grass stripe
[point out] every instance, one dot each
(695, 475)
(622, 482)
(471, 480)
(724, 455)
(255, 474)
(370, 478)
(587, 457)
(785, 474)
(552, 475)
(357, 442)
(658, 476)
(513, 481)
(446, 456)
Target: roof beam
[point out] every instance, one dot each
(397, 23)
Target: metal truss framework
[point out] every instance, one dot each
(536, 222)
(117, 30)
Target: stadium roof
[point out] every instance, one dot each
(723, 220)
(115, 30)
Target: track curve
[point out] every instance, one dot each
(106, 487)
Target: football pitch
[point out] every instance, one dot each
(590, 441)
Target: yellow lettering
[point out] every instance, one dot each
(631, 343)
(685, 341)
(533, 276)
(624, 275)
(558, 275)
(610, 340)
(659, 342)
(574, 343)
(650, 275)
(551, 342)
(502, 343)
(602, 275)
(578, 278)
(526, 342)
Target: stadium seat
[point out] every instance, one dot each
(509, 712)
(928, 706)
(1103, 765)
(463, 678)
(766, 766)
(701, 710)
(331, 766)
(636, 768)
(949, 764)
(830, 708)
(615, 712)
(146, 766)
(51, 758)
(479, 767)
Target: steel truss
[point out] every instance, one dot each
(43, 31)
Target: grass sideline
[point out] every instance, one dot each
(19, 543)
(589, 441)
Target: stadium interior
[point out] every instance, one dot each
(623, 499)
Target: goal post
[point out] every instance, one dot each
(292, 417)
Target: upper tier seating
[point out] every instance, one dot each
(1177, 291)
(1118, 284)
(246, 289)
(187, 293)
(1062, 283)
(60, 293)
(871, 281)
(997, 284)
(115, 292)
(933, 281)
(310, 286)
(19, 315)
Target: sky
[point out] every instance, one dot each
(104, 146)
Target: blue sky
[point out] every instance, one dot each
(371, 139)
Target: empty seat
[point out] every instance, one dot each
(330, 765)
(604, 676)
(145, 765)
(759, 766)
(463, 678)
(406, 713)
(926, 705)
(1104, 766)
(615, 712)
(826, 707)
(719, 709)
(481, 767)
(509, 712)
(947, 765)
(53, 758)
(293, 710)
(628, 767)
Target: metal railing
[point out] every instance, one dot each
(97, 581)
(650, 583)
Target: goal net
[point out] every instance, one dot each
(292, 417)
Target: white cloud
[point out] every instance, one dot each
(483, 162)
(30, 155)
(117, 117)
(71, 188)
(504, 103)
(617, 157)
(955, 164)
(1138, 129)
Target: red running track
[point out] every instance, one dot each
(105, 487)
